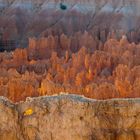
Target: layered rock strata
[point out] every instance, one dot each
(70, 117)
(23, 19)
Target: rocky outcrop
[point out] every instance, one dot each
(82, 66)
(70, 117)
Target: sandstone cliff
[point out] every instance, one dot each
(70, 117)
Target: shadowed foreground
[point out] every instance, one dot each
(70, 117)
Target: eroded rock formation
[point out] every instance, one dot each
(70, 117)
(90, 48)
(95, 69)
(47, 66)
(34, 18)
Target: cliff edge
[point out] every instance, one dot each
(70, 117)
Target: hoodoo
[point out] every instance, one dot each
(69, 70)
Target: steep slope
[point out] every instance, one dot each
(70, 117)
(23, 19)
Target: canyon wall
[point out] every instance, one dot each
(70, 117)
(23, 19)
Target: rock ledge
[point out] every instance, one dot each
(70, 117)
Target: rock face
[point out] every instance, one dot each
(29, 18)
(70, 117)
